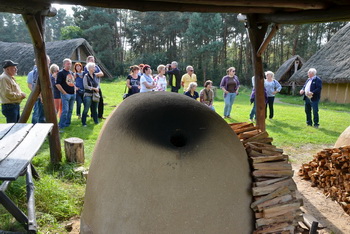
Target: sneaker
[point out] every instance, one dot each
(316, 126)
(251, 120)
(84, 125)
(60, 130)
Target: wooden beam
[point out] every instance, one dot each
(28, 7)
(170, 6)
(308, 16)
(35, 24)
(297, 4)
(256, 34)
(268, 39)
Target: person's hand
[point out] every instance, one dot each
(301, 92)
(274, 92)
(23, 95)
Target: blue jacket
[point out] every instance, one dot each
(315, 88)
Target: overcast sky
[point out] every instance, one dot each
(68, 8)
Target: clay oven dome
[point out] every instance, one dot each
(344, 138)
(165, 163)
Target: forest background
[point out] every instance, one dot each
(210, 42)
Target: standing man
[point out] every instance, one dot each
(174, 77)
(10, 92)
(32, 80)
(187, 78)
(99, 74)
(65, 84)
(312, 94)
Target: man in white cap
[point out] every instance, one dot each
(10, 92)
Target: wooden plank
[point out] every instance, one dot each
(4, 128)
(277, 228)
(272, 166)
(272, 173)
(268, 182)
(277, 210)
(259, 191)
(309, 219)
(13, 138)
(13, 165)
(287, 217)
(262, 159)
(275, 201)
(278, 192)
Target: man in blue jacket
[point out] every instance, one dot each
(312, 94)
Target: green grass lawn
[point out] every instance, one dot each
(59, 194)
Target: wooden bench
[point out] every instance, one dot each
(18, 145)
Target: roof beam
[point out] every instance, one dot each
(305, 17)
(170, 6)
(297, 4)
(28, 7)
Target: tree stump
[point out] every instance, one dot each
(74, 149)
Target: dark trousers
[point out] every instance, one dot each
(174, 89)
(79, 99)
(88, 103)
(100, 108)
(38, 112)
(311, 105)
(269, 103)
(11, 112)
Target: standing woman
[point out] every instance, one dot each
(78, 74)
(206, 95)
(230, 86)
(191, 91)
(272, 87)
(90, 86)
(133, 80)
(160, 79)
(147, 82)
(54, 69)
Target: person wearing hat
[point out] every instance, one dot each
(10, 92)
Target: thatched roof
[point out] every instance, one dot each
(23, 53)
(332, 61)
(286, 70)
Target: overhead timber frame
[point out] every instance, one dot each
(260, 14)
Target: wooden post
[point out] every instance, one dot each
(74, 149)
(35, 24)
(256, 35)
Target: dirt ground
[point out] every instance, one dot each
(327, 212)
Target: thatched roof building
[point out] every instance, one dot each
(332, 63)
(23, 53)
(288, 68)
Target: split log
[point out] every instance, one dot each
(74, 149)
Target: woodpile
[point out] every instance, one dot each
(277, 210)
(330, 171)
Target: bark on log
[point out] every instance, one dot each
(74, 149)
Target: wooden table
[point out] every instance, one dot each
(18, 145)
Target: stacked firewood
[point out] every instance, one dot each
(277, 210)
(330, 171)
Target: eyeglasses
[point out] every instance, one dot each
(191, 70)
(233, 70)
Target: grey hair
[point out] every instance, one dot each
(270, 73)
(174, 63)
(312, 70)
(90, 65)
(66, 60)
(189, 68)
(192, 84)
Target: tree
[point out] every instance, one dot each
(71, 32)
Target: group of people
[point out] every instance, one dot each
(311, 92)
(82, 85)
(141, 80)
